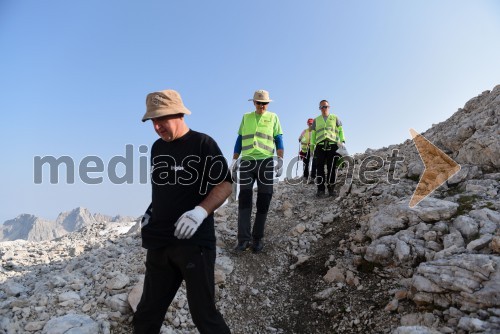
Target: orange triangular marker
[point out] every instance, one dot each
(438, 168)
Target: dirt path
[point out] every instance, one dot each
(267, 296)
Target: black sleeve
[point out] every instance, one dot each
(215, 170)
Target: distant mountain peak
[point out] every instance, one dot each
(32, 228)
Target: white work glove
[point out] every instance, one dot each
(188, 223)
(279, 167)
(235, 165)
(342, 150)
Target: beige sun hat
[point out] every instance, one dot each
(165, 102)
(261, 96)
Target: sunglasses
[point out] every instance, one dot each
(261, 103)
(324, 107)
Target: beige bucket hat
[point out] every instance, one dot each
(162, 103)
(261, 96)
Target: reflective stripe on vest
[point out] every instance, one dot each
(258, 136)
(327, 130)
(305, 141)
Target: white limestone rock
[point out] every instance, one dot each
(12, 288)
(402, 251)
(415, 330)
(118, 282)
(467, 226)
(471, 281)
(480, 243)
(71, 323)
(454, 238)
(432, 209)
(380, 251)
(118, 303)
(68, 296)
(324, 294)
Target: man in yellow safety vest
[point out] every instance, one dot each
(328, 136)
(306, 151)
(260, 132)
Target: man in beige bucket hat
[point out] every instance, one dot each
(166, 102)
(258, 136)
(190, 179)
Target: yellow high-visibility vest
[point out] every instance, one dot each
(259, 135)
(327, 130)
(306, 140)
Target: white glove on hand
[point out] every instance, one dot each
(279, 167)
(188, 223)
(342, 150)
(234, 169)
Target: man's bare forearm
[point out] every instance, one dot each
(216, 197)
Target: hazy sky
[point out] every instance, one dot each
(74, 76)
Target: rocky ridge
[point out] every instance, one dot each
(32, 228)
(362, 262)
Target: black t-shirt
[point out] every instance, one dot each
(183, 172)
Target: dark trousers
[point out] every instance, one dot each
(325, 153)
(166, 268)
(306, 161)
(262, 172)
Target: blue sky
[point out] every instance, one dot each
(74, 76)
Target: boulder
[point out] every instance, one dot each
(71, 323)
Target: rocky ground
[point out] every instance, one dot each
(287, 289)
(361, 262)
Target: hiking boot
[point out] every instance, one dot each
(320, 194)
(332, 192)
(242, 246)
(257, 245)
